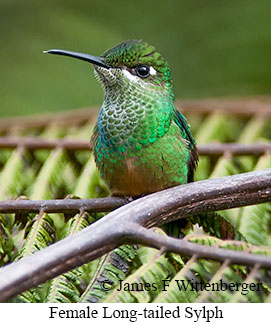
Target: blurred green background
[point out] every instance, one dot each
(215, 48)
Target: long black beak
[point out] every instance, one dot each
(85, 57)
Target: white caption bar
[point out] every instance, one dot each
(198, 313)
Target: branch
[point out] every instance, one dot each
(234, 149)
(150, 238)
(124, 225)
(210, 149)
(236, 106)
(247, 106)
(248, 194)
(42, 143)
(67, 206)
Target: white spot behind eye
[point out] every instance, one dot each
(152, 71)
(130, 76)
(134, 78)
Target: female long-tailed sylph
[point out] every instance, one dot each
(141, 142)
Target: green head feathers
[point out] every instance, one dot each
(132, 54)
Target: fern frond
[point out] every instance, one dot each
(178, 290)
(256, 219)
(49, 176)
(11, 177)
(252, 132)
(90, 183)
(225, 166)
(4, 156)
(183, 288)
(41, 234)
(218, 127)
(7, 247)
(253, 129)
(145, 282)
(218, 226)
(66, 288)
(112, 268)
(215, 127)
(30, 296)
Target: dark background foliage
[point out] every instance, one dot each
(215, 48)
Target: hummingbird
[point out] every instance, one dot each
(141, 142)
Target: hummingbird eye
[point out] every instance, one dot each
(142, 71)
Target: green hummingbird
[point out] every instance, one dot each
(141, 142)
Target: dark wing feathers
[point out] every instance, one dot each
(187, 135)
(94, 138)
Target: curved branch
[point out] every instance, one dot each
(122, 225)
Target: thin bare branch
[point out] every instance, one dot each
(238, 190)
(67, 206)
(124, 225)
(246, 106)
(210, 149)
(33, 143)
(66, 118)
(150, 238)
(234, 149)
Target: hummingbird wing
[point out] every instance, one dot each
(94, 137)
(182, 123)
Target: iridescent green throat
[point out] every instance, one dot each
(133, 114)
